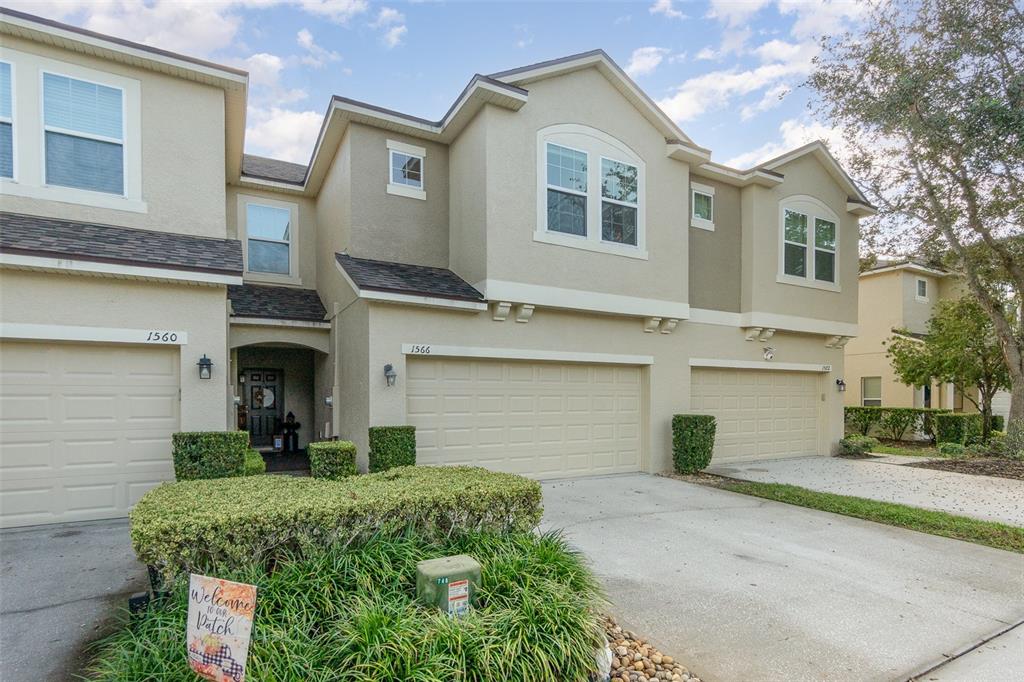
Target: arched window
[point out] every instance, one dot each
(590, 191)
(809, 243)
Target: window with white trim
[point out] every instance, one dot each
(268, 231)
(406, 170)
(6, 121)
(922, 290)
(871, 391)
(809, 249)
(702, 206)
(83, 130)
(590, 191)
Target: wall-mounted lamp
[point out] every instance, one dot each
(769, 353)
(205, 367)
(390, 375)
(841, 385)
(238, 400)
(329, 400)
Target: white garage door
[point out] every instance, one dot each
(85, 429)
(759, 414)
(544, 420)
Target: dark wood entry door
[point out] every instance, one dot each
(264, 393)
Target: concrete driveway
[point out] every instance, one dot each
(740, 588)
(61, 587)
(982, 497)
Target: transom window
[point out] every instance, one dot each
(83, 131)
(590, 191)
(809, 248)
(6, 122)
(871, 391)
(269, 234)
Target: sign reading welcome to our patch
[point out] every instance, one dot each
(220, 616)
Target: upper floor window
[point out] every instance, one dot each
(267, 228)
(6, 122)
(405, 170)
(590, 191)
(922, 290)
(702, 206)
(809, 249)
(84, 134)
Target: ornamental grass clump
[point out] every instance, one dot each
(191, 525)
(350, 613)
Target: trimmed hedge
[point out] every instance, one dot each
(896, 421)
(996, 422)
(192, 525)
(333, 459)
(893, 422)
(254, 464)
(693, 441)
(209, 454)
(857, 445)
(958, 428)
(392, 446)
(863, 419)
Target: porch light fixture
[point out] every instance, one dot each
(769, 353)
(390, 375)
(205, 367)
(841, 385)
(329, 401)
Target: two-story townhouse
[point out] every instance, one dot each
(899, 297)
(538, 281)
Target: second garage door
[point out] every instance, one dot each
(545, 420)
(759, 414)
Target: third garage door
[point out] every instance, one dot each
(759, 414)
(539, 419)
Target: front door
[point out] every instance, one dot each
(263, 391)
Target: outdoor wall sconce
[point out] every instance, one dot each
(238, 400)
(205, 367)
(841, 385)
(769, 353)
(329, 400)
(390, 375)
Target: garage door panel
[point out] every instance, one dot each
(538, 419)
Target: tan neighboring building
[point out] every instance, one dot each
(538, 281)
(899, 297)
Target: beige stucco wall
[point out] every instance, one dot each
(467, 233)
(354, 371)
(304, 237)
(762, 242)
(715, 257)
(667, 379)
(182, 138)
(917, 313)
(43, 298)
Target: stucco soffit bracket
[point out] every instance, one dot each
(668, 326)
(753, 333)
(766, 334)
(524, 311)
(500, 310)
(837, 341)
(651, 324)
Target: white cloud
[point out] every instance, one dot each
(316, 56)
(264, 69)
(771, 99)
(338, 11)
(645, 60)
(388, 16)
(705, 54)
(793, 133)
(281, 133)
(815, 18)
(734, 12)
(525, 37)
(666, 7)
(393, 36)
(392, 22)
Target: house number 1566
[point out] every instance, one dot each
(417, 349)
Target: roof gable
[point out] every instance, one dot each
(819, 151)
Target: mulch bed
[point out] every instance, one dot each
(979, 466)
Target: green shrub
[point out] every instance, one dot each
(693, 441)
(191, 525)
(951, 450)
(863, 419)
(896, 421)
(392, 446)
(209, 454)
(333, 459)
(958, 427)
(1013, 442)
(996, 423)
(350, 613)
(978, 450)
(927, 424)
(857, 445)
(254, 464)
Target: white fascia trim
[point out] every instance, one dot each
(687, 153)
(576, 299)
(246, 180)
(909, 267)
(404, 148)
(739, 178)
(72, 195)
(274, 322)
(427, 349)
(114, 269)
(406, 191)
(860, 210)
(409, 299)
(760, 364)
(719, 317)
(60, 332)
(794, 323)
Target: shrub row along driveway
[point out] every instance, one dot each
(740, 588)
(980, 497)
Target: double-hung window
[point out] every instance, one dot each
(83, 125)
(809, 246)
(269, 238)
(619, 204)
(922, 290)
(871, 391)
(567, 190)
(6, 121)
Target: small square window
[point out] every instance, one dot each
(922, 289)
(702, 207)
(406, 169)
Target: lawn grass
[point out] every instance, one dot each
(913, 451)
(998, 535)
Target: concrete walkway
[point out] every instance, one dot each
(741, 588)
(995, 661)
(61, 587)
(981, 497)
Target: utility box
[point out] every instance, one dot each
(448, 583)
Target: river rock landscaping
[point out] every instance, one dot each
(634, 659)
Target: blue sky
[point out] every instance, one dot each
(717, 67)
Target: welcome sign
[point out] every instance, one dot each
(220, 616)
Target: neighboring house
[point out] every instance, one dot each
(899, 297)
(537, 282)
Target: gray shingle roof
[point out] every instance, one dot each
(280, 303)
(402, 278)
(56, 238)
(272, 169)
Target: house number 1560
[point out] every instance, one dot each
(161, 337)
